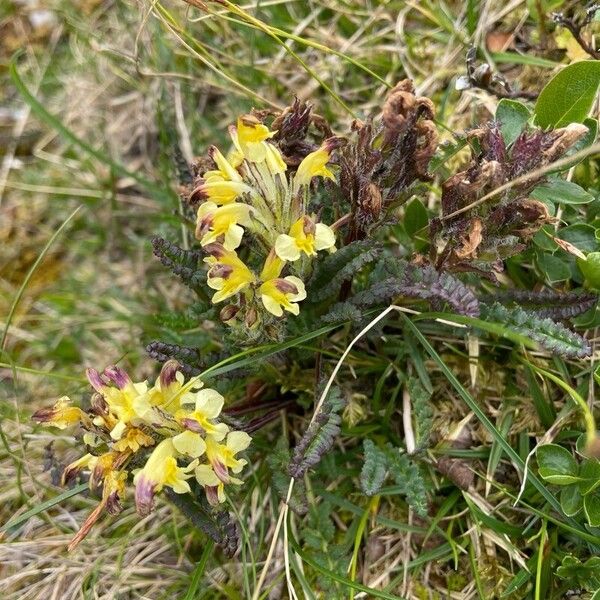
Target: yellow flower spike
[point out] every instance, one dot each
(280, 294)
(208, 404)
(222, 456)
(305, 237)
(161, 470)
(315, 163)
(228, 274)
(216, 221)
(61, 414)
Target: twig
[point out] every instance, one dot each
(575, 28)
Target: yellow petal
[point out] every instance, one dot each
(286, 248)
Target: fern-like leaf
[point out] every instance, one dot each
(184, 263)
(414, 282)
(319, 436)
(422, 411)
(219, 525)
(341, 266)
(278, 461)
(408, 477)
(552, 336)
(549, 303)
(374, 468)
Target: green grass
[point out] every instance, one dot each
(102, 101)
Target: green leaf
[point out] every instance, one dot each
(561, 191)
(578, 574)
(513, 117)
(582, 236)
(590, 476)
(557, 465)
(490, 427)
(590, 267)
(415, 217)
(571, 500)
(568, 97)
(374, 468)
(554, 268)
(591, 508)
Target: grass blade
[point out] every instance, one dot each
(36, 510)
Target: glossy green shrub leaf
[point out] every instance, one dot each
(578, 574)
(415, 217)
(513, 117)
(591, 269)
(591, 508)
(569, 95)
(554, 268)
(582, 236)
(571, 501)
(561, 191)
(590, 476)
(557, 465)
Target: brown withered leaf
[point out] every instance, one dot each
(470, 240)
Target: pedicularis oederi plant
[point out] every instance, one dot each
(299, 232)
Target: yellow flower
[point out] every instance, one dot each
(208, 404)
(113, 491)
(160, 470)
(278, 294)
(305, 237)
(216, 221)
(213, 486)
(219, 190)
(170, 390)
(222, 456)
(61, 414)
(315, 163)
(228, 274)
(133, 439)
(249, 138)
(274, 160)
(128, 401)
(72, 470)
(225, 170)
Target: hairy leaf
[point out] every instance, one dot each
(218, 525)
(408, 477)
(340, 266)
(415, 282)
(319, 436)
(374, 468)
(278, 461)
(549, 303)
(422, 411)
(552, 336)
(184, 263)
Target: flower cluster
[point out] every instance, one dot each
(175, 421)
(252, 191)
